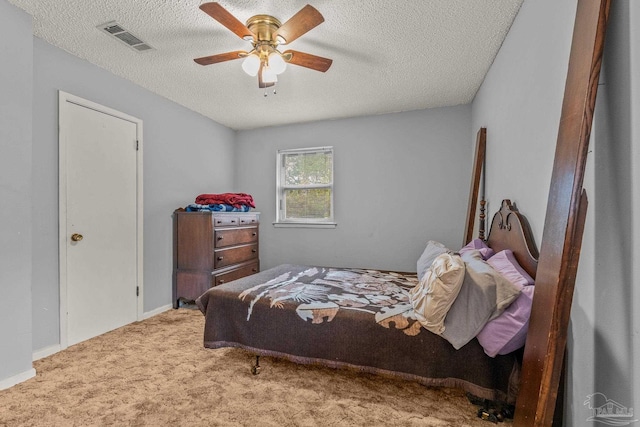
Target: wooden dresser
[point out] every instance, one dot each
(212, 248)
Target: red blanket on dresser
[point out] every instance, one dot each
(233, 199)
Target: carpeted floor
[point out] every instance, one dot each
(157, 373)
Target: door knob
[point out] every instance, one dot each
(76, 237)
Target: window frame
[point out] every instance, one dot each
(281, 220)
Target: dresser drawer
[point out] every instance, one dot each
(250, 219)
(233, 219)
(237, 236)
(234, 255)
(237, 273)
(225, 220)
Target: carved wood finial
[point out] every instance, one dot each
(483, 220)
(505, 210)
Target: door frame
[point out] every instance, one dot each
(63, 99)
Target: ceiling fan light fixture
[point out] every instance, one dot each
(280, 39)
(268, 75)
(251, 65)
(276, 63)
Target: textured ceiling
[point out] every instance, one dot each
(388, 56)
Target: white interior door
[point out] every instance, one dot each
(99, 228)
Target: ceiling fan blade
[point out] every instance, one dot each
(307, 18)
(222, 15)
(221, 57)
(307, 60)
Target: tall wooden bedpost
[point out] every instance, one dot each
(564, 223)
(477, 172)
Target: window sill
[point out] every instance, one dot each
(305, 225)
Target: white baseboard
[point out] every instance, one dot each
(47, 351)
(157, 311)
(16, 379)
(53, 349)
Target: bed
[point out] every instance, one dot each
(363, 319)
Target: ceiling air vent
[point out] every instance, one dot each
(116, 30)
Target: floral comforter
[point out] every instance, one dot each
(319, 293)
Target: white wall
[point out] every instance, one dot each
(400, 179)
(185, 154)
(15, 190)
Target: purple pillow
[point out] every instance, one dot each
(505, 263)
(479, 245)
(508, 331)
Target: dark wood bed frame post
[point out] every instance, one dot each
(477, 172)
(564, 223)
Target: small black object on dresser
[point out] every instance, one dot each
(212, 248)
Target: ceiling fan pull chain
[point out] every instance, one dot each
(266, 93)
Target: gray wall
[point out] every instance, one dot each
(185, 154)
(617, 229)
(15, 189)
(400, 179)
(634, 70)
(520, 103)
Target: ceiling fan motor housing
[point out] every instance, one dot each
(264, 28)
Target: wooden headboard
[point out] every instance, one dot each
(510, 230)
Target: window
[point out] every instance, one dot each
(304, 187)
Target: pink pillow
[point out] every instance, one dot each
(478, 245)
(508, 331)
(505, 263)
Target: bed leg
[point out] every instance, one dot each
(255, 369)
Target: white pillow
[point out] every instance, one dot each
(430, 253)
(433, 296)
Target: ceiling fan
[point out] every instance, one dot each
(266, 34)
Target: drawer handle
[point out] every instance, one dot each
(220, 237)
(220, 258)
(242, 221)
(254, 250)
(255, 270)
(221, 281)
(233, 221)
(254, 234)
